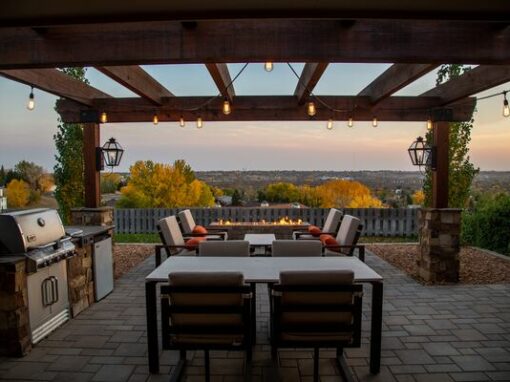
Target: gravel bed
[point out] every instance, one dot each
(128, 256)
(476, 266)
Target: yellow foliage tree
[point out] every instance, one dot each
(18, 193)
(45, 182)
(153, 185)
(346, 194)
(418, 197)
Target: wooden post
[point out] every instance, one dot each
(91, 173)
(440, 175)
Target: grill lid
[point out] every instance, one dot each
(21, 231)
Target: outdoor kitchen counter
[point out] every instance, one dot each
(12, 259)
(88, 231)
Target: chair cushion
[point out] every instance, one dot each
(200, 229)
(347, 232)
(332, 220)
(192, 244)
(237, 248)
(314, 230)
(187, 221)
(170, 231)
(296, 248)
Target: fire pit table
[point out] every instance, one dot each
(282, 229)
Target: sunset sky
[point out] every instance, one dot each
(250, 145)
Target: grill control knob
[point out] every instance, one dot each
(41, 222)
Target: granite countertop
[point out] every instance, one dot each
(11, 259)
(89, 230)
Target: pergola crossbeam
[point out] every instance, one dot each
(393, 79)
(471, 82)
(56, 82)
(221, 77)
(138, 81)
(310, 76)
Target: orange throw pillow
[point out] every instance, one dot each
(200, 229)
(192, 244)
(314, 230)
(328, 240)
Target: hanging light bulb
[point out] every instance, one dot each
(429, 124)
(506, 108)
(155, 119)
(31, 101)
(329, 126)
(350, 122)
(199, 123)
(374, 122)
(226, 107)
(310, 109)
(182, 123)
(268, 66)
(104, 117)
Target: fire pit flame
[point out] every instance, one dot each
(281, 221)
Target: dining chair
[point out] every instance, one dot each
(190, 228)
(296, 248)
(206, 311)
(330, 227)
(231, 248)
(346, 240)
(316, 309)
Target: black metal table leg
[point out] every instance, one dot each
(254, 313)
(152, 326)
(376, 330)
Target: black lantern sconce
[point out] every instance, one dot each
(110, 154)
(422, 154)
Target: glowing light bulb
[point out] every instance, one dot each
(155, 119)
(104, 117)
(200, 124)
(226, 107)
(310, 109)
(429, 124)
(268, 66)
(329, 126)
(182, 123)
(31, 101)
(374, 122)
(350, 122)
(506, 108)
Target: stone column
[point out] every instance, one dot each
(439, 244)
(92, 216)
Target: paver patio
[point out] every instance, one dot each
(440, 333)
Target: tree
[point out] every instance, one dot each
(2, 176)
(236, 198)
(29, 172)
(18, 193)
(461, 171)
(346, 194)
(282, 192)
(45, 182)
(185, 169)
(418, 197)
(69, 167)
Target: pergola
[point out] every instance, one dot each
(116, 37)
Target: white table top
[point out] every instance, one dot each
(262, 269)
(260, 238)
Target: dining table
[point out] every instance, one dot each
(263, 270)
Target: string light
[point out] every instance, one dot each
(104, 117)
(226, 107)
(268, 66)
(310, 109)
(350, 122)
(31, 101)
(182, 123)
(329, 126)
(506, 108)
(155, 119)
(374, 122)
(200, 124)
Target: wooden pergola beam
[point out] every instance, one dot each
(138, 81)
(471, 82)
(221, 77)
(376, 41)
(264, 108)
(393, 79)
(310, 76)
(56, 82)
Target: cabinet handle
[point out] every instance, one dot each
(54, 289)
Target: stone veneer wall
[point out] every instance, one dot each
(80, 280)
(14, 323)
(92, 216)
(439, 244)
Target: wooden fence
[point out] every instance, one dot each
(376, 221)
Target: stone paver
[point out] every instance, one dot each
(439, 333)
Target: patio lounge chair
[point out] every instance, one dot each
(190, 228)
(295, 248)
(330, 227)
(206, 310)
(316, 309)
(346, 239)
(173, 241)
(237, 248)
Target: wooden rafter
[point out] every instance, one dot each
(393, 79)
(137, 80)
(308, 79)
(266, 108)
(56, 82)
(221, 77)
(416, 41)
(473, 81)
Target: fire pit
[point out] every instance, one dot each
(282, 228)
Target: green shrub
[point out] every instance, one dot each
(488, 224)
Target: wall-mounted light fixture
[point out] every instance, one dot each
(109, 155)
(422, 154)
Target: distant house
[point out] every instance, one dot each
(224, 200)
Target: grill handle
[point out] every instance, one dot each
(54, 289)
